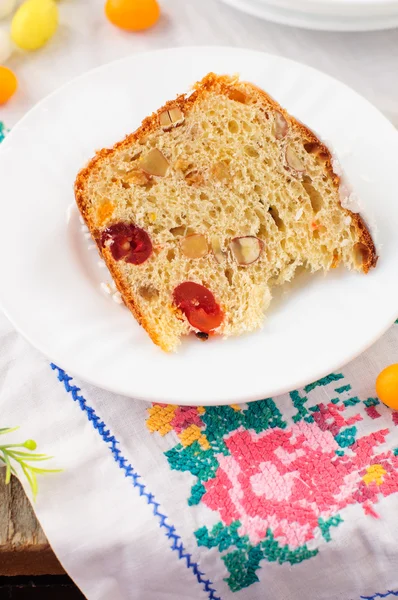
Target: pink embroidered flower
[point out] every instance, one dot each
(286, 480)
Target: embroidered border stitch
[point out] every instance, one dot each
(129, 471)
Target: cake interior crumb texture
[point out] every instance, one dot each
(221, 163)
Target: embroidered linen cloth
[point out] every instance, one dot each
(285, 498)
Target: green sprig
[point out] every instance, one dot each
(10, 453)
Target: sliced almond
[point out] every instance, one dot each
(281, 126)
(154, 163)
(246, 250)
(194, 246)
(293, 160)
(219, 255)
(176, 115)
(165, 120)
(171, 118)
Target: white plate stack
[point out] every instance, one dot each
(326, 15)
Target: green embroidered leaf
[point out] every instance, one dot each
(343, 388)
(243, 561)
(222, 536)
(273, 551)
(262, 415)
(351, 401)
(194, 459)
(302, 412)
(219, 421)
(197, 492)
(325, 526)
(371, 402)
(346, 437)
(324, 381)
(242, 567)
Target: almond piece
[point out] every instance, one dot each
(154, 163)
(194, 246)
(219, 255)
(171, 118)
(164, 119)
(176, 115)
(293, 161)
(246, 250)
(281, 126)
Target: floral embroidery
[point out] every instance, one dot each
(280, 484)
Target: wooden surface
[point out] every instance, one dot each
(48, 587)
(24, 549)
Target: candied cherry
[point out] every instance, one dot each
(199, 306)
(127, 242)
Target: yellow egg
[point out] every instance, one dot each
(34, 23)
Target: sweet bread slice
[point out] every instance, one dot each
(215, 199)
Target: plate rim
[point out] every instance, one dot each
(310, 21)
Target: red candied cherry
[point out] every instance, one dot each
(127, 242)
(198, 305)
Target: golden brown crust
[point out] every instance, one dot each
(236, 90)
(370, 258)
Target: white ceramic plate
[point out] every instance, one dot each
(268, 10)
(340, 8)
(50, 282)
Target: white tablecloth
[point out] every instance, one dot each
(286, 498)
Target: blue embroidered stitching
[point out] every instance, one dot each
(100, 426)
(388, 593)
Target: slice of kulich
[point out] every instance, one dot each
(215, 199)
